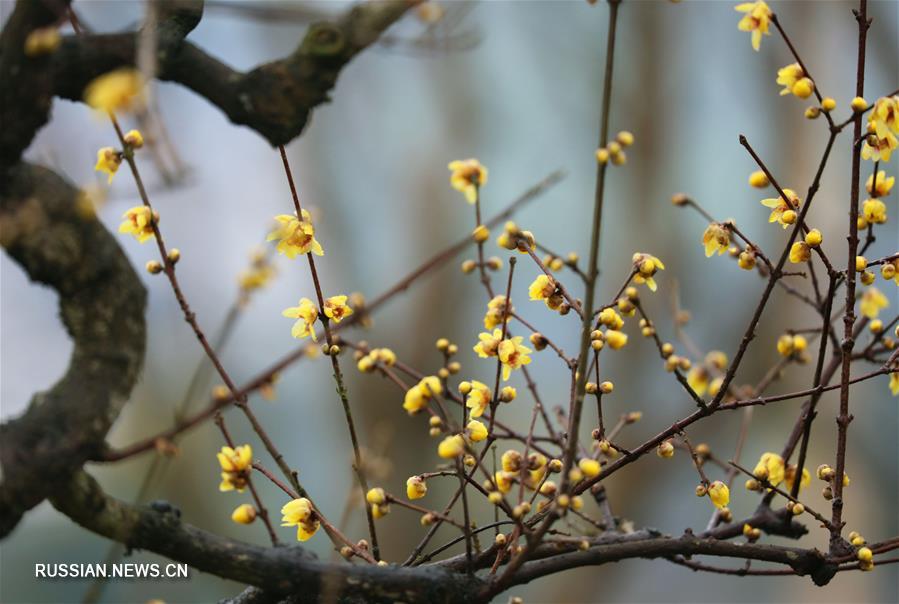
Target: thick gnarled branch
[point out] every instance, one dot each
(48, 231)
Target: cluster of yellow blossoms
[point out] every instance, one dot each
(614, 151)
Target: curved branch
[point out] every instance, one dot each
(274, 99)
(280, 570)
(47, 231)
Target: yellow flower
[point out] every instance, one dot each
(337, 309)
(138, 222)
(871, 303)
(545, 288)
(513, 355)
(478, 398)
(794, 81)
(790, 476)
(244, 514)
(376, 496)
(779, 206)
(800, 252)
(698, 379)
(418, 397)
(716, 239)
(468, 175)
(117, 90)
(295, 236)
(885, 116)
(771, 468)
(616, 339)
(879, 149)
(451, 447)
(894, 383)
(235, 465)
(756, 20)
(874, 211)
(884, 184)
(477, 431)
(489, 343)
(108, 161)
(416, 487)
(719, 494)
(646, 266)
(496, 310)
(306, 314)
(299, 513)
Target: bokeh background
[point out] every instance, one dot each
(516, 84)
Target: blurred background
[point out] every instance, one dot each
(516, 85)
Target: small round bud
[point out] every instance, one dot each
(500, 539)
(680, 199)
(590, 388)
(788, 217)
(602, 156)
(797, 509)
(812, 113)
(828, 104)
(480, 233)
(606, 387)
(597, 345)
(468, 266)
(625, 138)
(538, 340)
(746, 260)
(667, 349)
(464, 388)
(508, 394)
(861, 263)
(443, 373)
(867, 278)
(452, 349)
(702, 450)
(813, 238)
(174, 255)
(701, 490)
(346, 551)
(442, 344)
(665, 449)
(454, 367)
(858, 104)
(154, 267)
(555, 465)
(494, 263)
(876, 326)
(134, 139)
(495, 497)
(827, 493)
(753, 485)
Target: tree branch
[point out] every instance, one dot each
(102, 305)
